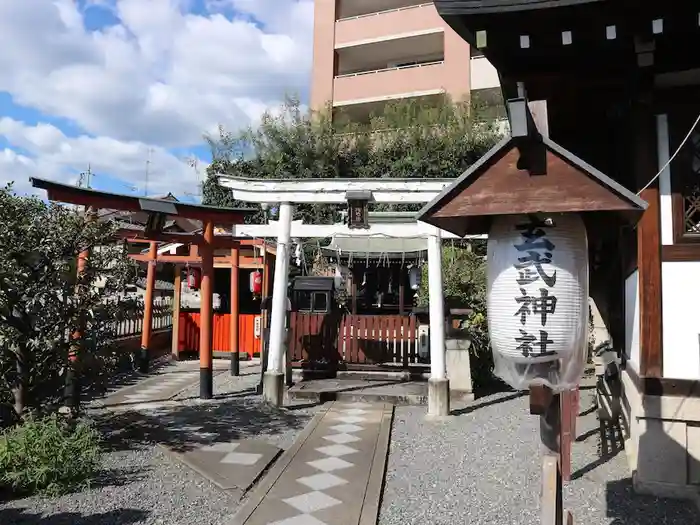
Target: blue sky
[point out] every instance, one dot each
(130, 87)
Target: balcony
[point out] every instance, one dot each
(421, 18)
(389, 83)
(359, 8)
(391, 53)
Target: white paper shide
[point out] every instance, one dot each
(538, 298)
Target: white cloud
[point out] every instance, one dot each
(161, 76)
(52, 155)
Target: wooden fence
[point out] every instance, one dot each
(132, 323)
(348, 339)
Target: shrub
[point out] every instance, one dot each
(48, 456)
(464, 287)
(42, 300)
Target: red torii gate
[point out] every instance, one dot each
(158, 211)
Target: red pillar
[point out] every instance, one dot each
(235, 364)
(148, 308)
(72, 390)
(206, 373)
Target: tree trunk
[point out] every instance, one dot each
(20, 388)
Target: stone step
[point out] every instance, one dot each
(366, 391)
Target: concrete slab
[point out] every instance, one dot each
(396, 392)
(152, 389)
(234, 465)
(333, 476)
(361, 390)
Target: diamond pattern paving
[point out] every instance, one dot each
(351, 419)
(312, 501)
(337, 450)
(324, 483)
(159, 387)
(341, 438)
(234, 465)
(301, 519)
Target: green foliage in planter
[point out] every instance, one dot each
(464, 285)
(49, 456)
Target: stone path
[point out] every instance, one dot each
(224, 442)
(331, 476)
(232, 465)
(161, 386)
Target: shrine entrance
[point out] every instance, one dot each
(360, 310)
(372, 259)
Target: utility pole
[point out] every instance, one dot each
(84, 178)
(192, 161)
(148, 171)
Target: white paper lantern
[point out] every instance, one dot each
(340, 276)
(414, 277)
(538, 289)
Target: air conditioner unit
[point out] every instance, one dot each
(423, 341)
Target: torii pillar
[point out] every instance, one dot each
(438, 384)
(206, 333)
(144, 356)
(273, 380)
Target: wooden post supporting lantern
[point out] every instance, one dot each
(206, 334)
(148, 308)
(540, 206)
(235, 363)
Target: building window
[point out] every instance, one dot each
(685, 180)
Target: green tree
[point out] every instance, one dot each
(43, 304)
(406, 140)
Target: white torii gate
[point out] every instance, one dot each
(286, 193)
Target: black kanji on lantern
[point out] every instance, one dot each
(536, 260)
(543, 305)
(538, 251)
(527, 344)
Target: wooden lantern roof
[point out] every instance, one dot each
(528, 173)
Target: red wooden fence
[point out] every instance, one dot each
(353, 339)
(188, 337)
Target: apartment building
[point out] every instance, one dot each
(369, 52)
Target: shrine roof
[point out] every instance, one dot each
(70, 194)
(374, 247)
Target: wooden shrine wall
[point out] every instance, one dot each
(248, 341)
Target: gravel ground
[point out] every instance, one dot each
(483, 467)
(142, 484)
